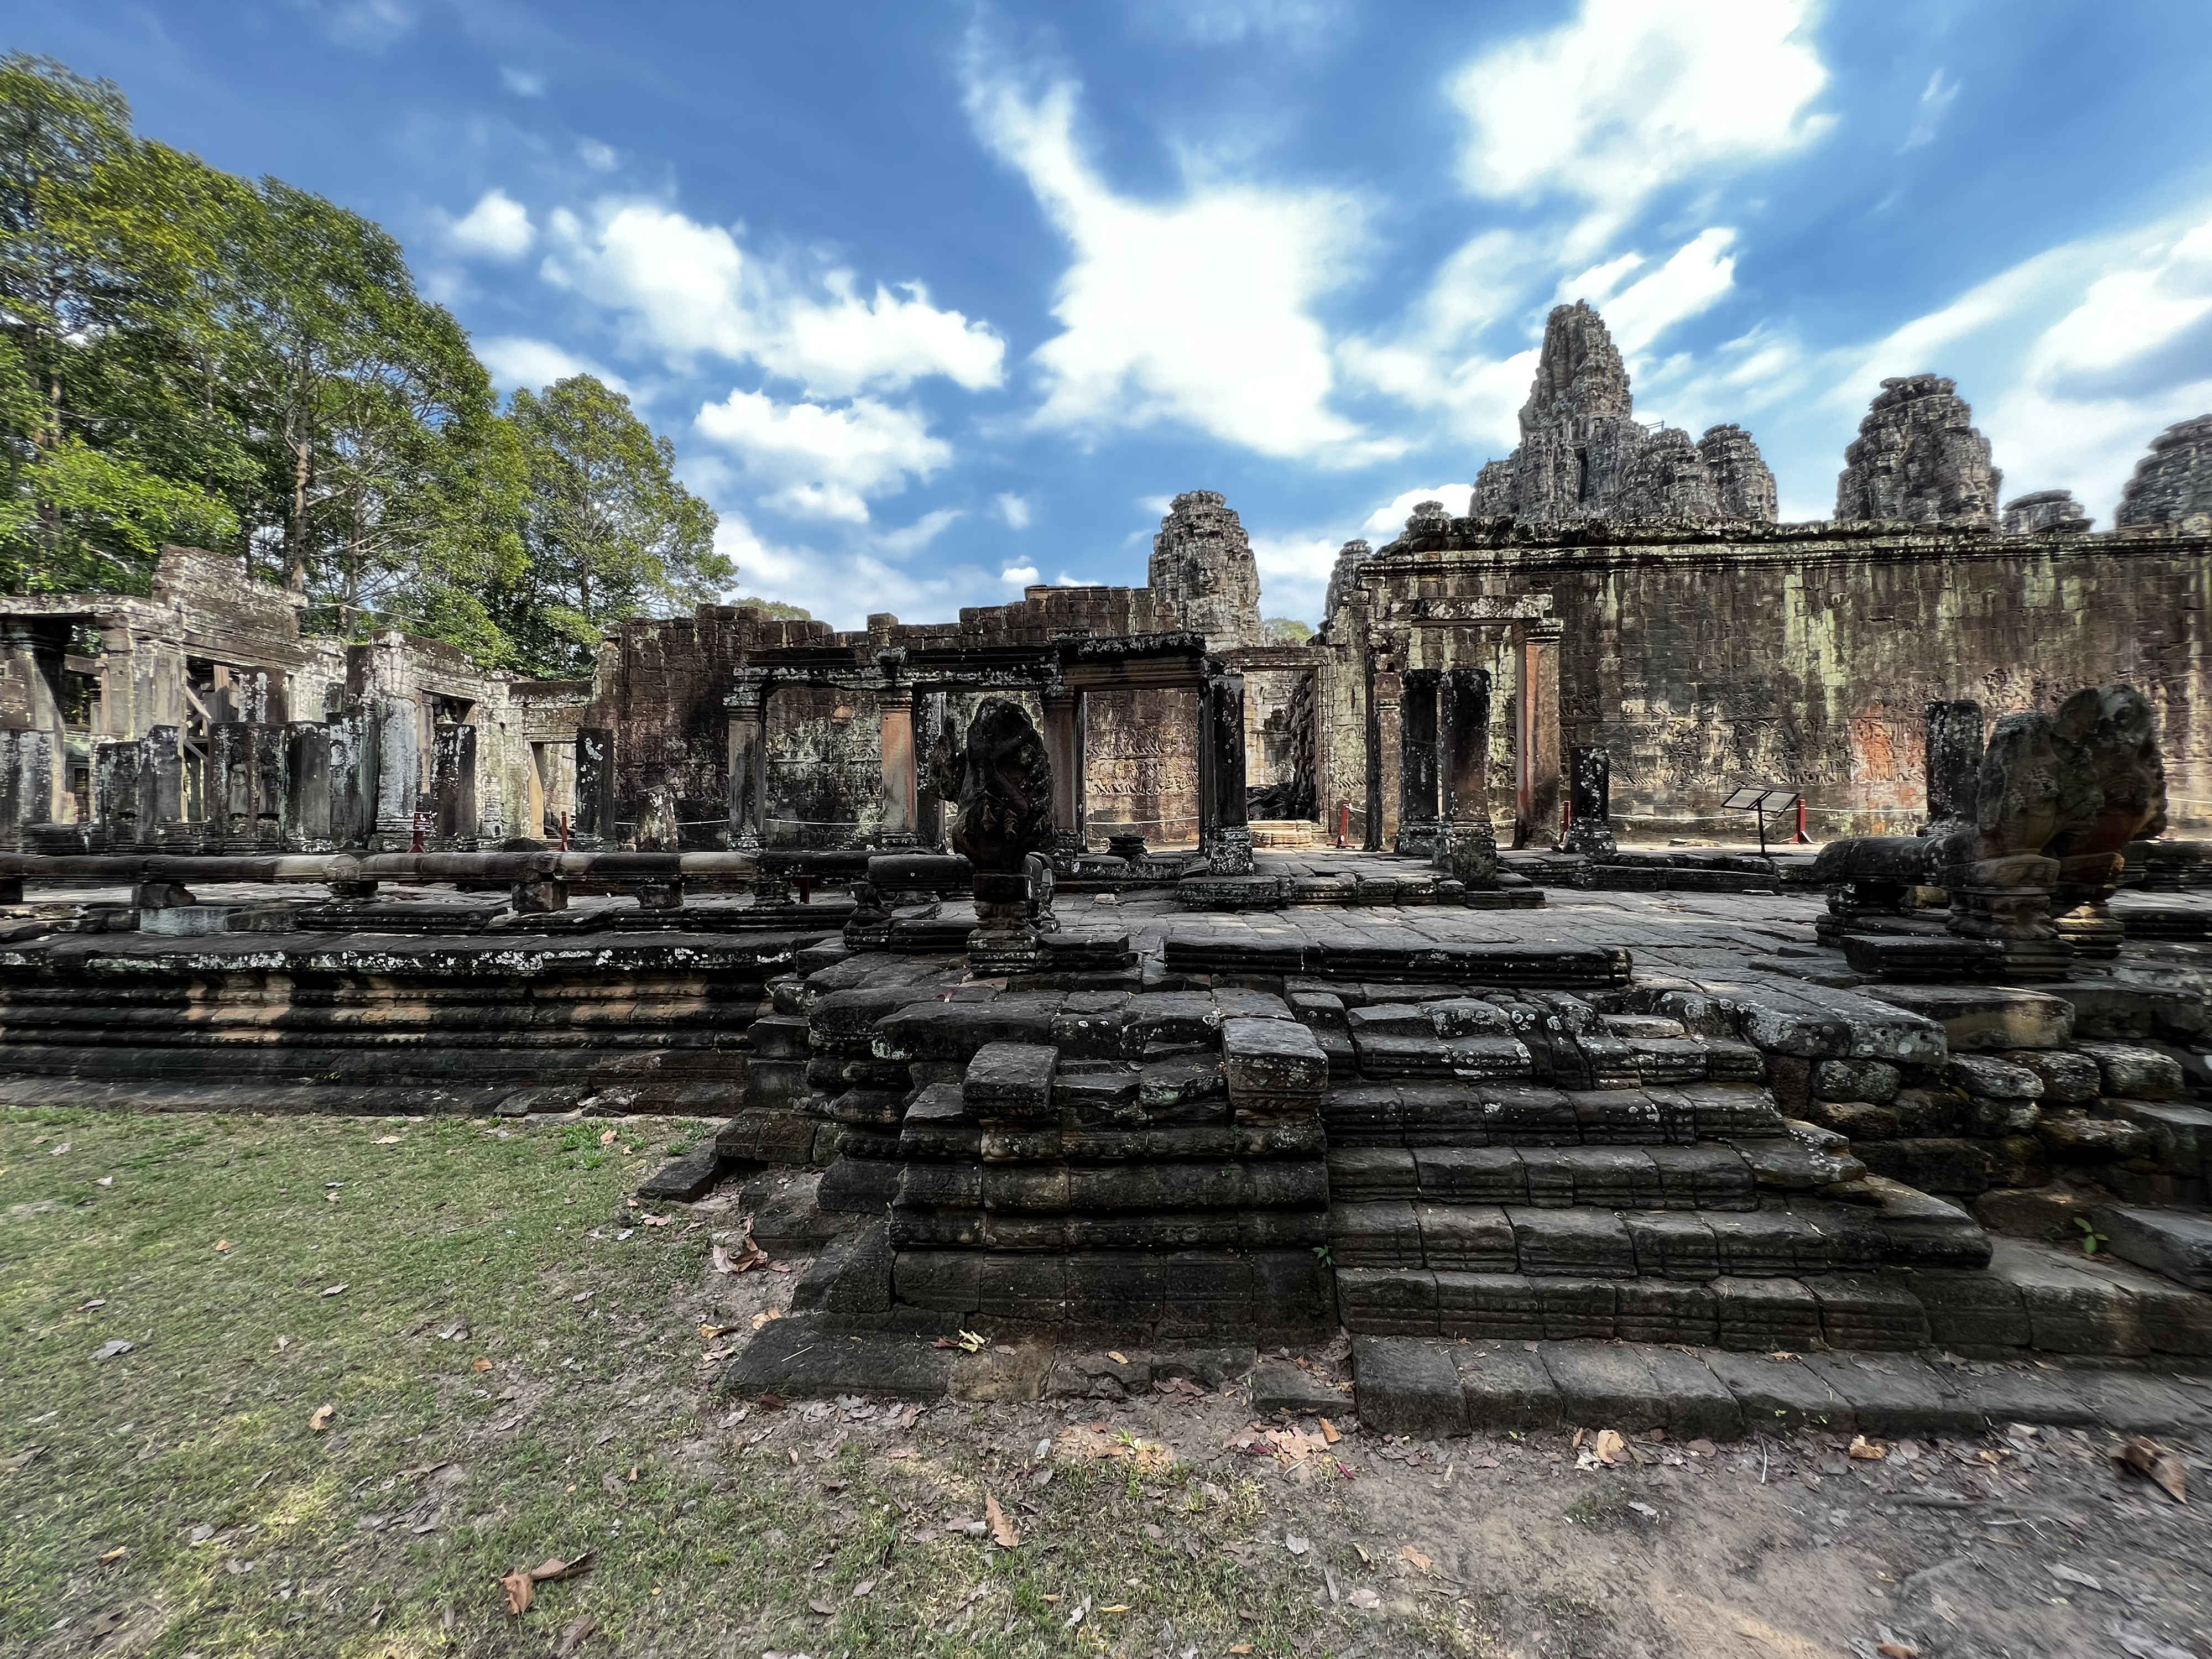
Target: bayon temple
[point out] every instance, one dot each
(1630, 919)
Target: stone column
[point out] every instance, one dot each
(1063, 742)
(453, 783)
(352, 771)
(748, 707)
(1589, 829)
(271, 766)
(115, 769)
(1955, 735)
(1468, 847)
(1384, 764)
(1417, 763)
(1536, 805)
(398, 771)
(929, 805)
(1228, 843)
(306, 825)
(161, 783)
(899, 803)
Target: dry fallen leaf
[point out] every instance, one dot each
(579, 1632)
(607, 1139)
(60, 1150)
(222, 1245)
(321, 1420)
(1608, 1446)
(105, 1181)
(115, 1555)
(1362, 1596)
(1329, 1431)
(1117, 1356)
(385, 1140)
(1897, 1650)
(520, 1591)
(480, 1363)
(21, 1460)
(1868, 1451)
(765, 1315)
(1003, 1531)
(282, 1343)
(2145, 1456)
(1415, 1558)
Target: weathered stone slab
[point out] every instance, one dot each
(1506, 1390)
(1274, 1068)
(1977, 1018)
(1408, 1388)
(2176, 1243)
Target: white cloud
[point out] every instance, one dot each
(367, 25)
(1700, 272)
(919, 534)
(1933, 101)
(841, 586)
(1294, 568)
(1230, 22)
(690, 289)
(1630, 96)
(1015, 510)
(518, 360)
(522, 83)
(1197, 311)
(497, 228)
(820, 461)
(600, 158)
(1385, 522)
(1066, 580)
(1020, 575)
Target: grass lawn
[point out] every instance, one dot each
(375, 1366)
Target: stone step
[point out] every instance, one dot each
(2176, 1243)
(1431, 1388)
(1707, 1176)
(1780, 1239)
(1745, 1314)
(1427, 1113)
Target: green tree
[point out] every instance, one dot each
(777, 609)
(1287, 630)
(608, 531)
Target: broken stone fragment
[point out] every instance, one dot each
(1010, 1082)
(1275, 1069)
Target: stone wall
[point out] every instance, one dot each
(1807, 654)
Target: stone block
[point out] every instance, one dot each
(2183, 1134)
(1170, 1017)
(1760, 1243)
(949, 1281)
(2069, 1309)
(1856, 1119)
(1115, 1289)
(1099, 1098)
(1388, 1302)
(1992, 1079)
(1973, 1311)
(2005, 1394)
(1571, 1243)
(857, 1185)
(2175, 1243)
(1779, 1395)
(1459, 1017)
(1920, 1230)
(766, 1137)
(1490, 1307)
(799, 1359)
(2138, 1073)
(777, 1037)
(1861, 1311)
(1896, 1395)
(1238, 1002)
(1010, 1082)
(1279, 1386)
(1274, 1068)
(1464, 1237)
(1873, 1081)
(1660, 1310)
(1674, 1245)
(1573, 1310)
(1092, 1374)
(1976, 1018)
(1470, 1175)
(1172, 1085)
(1408, 1388)
(932, 1031)
(1384, 1235)
(1604, 1385)
(1701, 1178)
(1367, 1173)
(2132, 1403)
(1764, 1316)
(1386, 1055)
(2070, 1077)
(1614, 1117)
(1842, 1025)
(1506, 1390)
(1486, 1059)
(1932, 1164)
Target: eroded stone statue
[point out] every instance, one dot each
(2036, 783)
(2116, 732)
(1001, 778)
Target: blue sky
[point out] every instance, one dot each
(939, 299)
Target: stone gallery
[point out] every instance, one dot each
(1101, 988)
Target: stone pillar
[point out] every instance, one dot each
(1955, 735)
(593, 824)
(1226, 839)
(398, 771)
(115, 769)
(1063, 740)
(32, 651)
(929, 803)
(453, 783)
(306, 822)
(1383, 759)
(230, 786)
(268, 762)
(1417, 763)
(161, 782)
(352, 772)
(1536, 745)
(1590, 827)
(899, 802)
(1468, 847)
(748, 764)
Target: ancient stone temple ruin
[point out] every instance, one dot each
(1638, 951)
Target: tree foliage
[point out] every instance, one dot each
(189, 356)
(608, 531)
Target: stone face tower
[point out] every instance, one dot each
(1918, 459)
(1585, 455)
(1202, 563)
(2172, 485)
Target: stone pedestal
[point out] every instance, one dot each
(538, 895)
(1006, 937)
(748, 765)
(1590, 803)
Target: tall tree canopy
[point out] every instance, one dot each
(607, 531)
(189, 356)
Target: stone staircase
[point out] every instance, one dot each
(1522, 1166)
